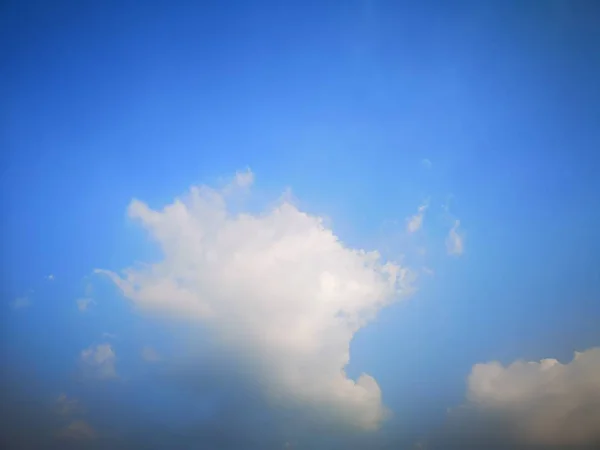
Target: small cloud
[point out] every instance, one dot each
(67, 406)
(446, 205)
(415, 222)
(426, 163)
(100, 361)
(83, 304)
(244, 179)
(455, 241)
(78, 430)
(150, 355)
(49, 277)
(20, 303)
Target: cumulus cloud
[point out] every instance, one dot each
(415, 222)
(455, 240)
(83, 304)
(150, 355)
(543, 404)
(21, 302)
(278, 287)
(99, 361)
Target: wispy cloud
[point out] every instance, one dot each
(150, 355)
(428, 271)
(455, 240)
(20, 303)
(78, 430)
(83, 304)
(67, 406)
(99, 361)
(414, 223)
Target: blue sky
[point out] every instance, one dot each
(485, 114)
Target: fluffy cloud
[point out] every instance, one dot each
(415, 222)
(278, 287)
(455, 241)
(83, 304)
(543, 404)
(99, 361)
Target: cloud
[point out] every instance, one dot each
(88, 290)
(428, 271)
(543, 404)
(77, 430)
(244, 179)
(21, 302)
(150, 355)
(108, 335)
(100, 361)
(415, 222)
(83, 304)
(49, 277)
(67, 406)
(455, 241)
(279, 289)
(241, 181)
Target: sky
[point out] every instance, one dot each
(300, 225)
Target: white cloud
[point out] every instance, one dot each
(21, 302)
(278, 287)
(49, 277)
(83, 304)
(78, 430)
(415, 222)
(244, 179)
(100, 360)
(150, 355)
(455, 240)
(542, 403)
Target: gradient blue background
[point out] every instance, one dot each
(339, 100)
